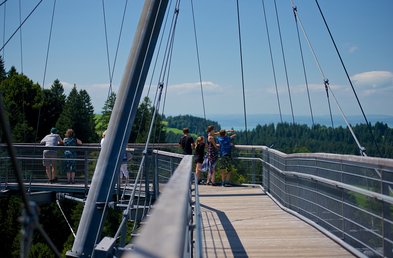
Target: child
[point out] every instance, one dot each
(199, 156)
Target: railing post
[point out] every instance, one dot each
(253, 166)
(156, 183)
(387, 216)
(268, 170)
(146, 175)
(86, 171)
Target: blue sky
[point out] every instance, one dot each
(362, 30)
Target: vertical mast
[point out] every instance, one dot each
(119, 128)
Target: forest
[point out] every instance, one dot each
(289, 138)
(32, 111)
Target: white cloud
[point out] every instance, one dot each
(373, 81)
(353, 49)
(195, 87)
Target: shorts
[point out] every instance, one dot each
(198, 159)
(124, 170)
(49, 157)
(225, 162)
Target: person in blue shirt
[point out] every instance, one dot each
(225, 159)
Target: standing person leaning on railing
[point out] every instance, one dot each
(225, 160)
(49, 156)
(212, 155)
(70, 155)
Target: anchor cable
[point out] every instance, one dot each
(283, 58)
(199, 63)
(349, 79)
(242, 70)
(271, 59)
(107, 49)
(46, 64)
(20, 26)
(294, 8)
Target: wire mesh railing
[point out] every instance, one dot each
(349, 198)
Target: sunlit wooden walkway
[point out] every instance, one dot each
(244, 222)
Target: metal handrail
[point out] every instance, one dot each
(167, 229)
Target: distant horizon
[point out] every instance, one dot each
(236, 121)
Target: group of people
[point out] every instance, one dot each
(49, 156)
(218, 152)
(207, 154)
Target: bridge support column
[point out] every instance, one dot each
(119, 129)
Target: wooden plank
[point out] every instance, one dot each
(244, 222)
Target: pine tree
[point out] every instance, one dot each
(78, 114)
(3, 74)
(21, 98)
(103, 120)
(53, 104)
(141, 126)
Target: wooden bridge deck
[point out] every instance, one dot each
(244, 222)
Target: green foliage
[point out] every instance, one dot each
(196, 125)
(102, 121)
(10, 211)
(41, 250)
(78, 114)
(3, 74)
(52, 106)
(295, 138)
(141, 126)
(21, 99)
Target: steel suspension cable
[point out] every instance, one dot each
(4, 19)
(362, 150)
(46, 61)
(5, 1)
(17, 29)
(241, 67)
(324, 79)
(107, 49)
(326, 84)
(167, 63)
(271, 59)
(156, 105)
(159, 50)
(167, 77)
(118, 44)
(20, 36)
(294, 8)
(199, 63)
(284, 61)
(156, 60)
(65, 218)
(349, 79)
(21, 63)
(327, 89)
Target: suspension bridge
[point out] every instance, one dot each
(303, 205)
